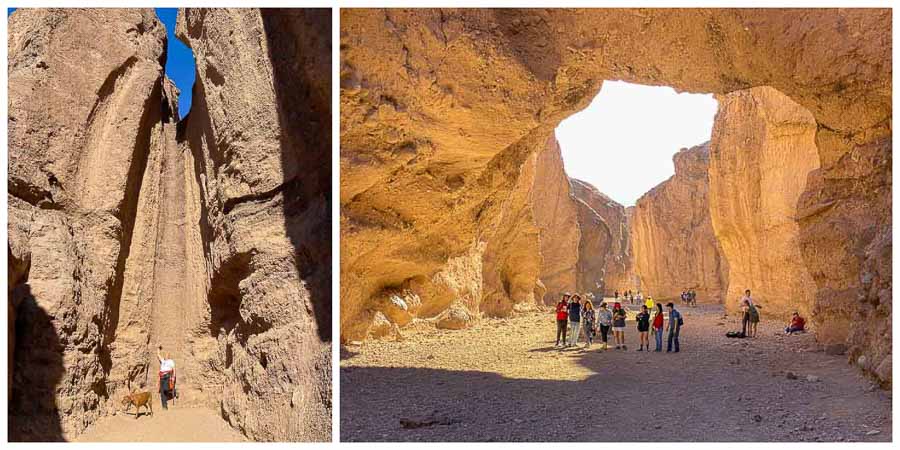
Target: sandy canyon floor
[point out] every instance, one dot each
(503, 380)
(172, 425)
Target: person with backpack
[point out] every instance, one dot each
(604, 322)
(562, 319)
(745, 303)
(574, 319)
(588, 317)
(754, 319)
(643, 326)
(675, 324)
(618, 325)
(658, 326)
(692, 295)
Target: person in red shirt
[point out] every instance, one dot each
(658, 326)
(562, 318)
(797, 325)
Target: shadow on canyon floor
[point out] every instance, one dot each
(37, 371)
(716, 389)
(299, 42)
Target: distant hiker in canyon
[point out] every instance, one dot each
(649, 304)
(643, 327)
(753, 311)
(745, 303)
(692, 296)
(562, 318)
(658, 326)
(589, 328)
(797, 325)
(675, 324)
(639, 297)
(604, 322)
(166, 376)
(618, 325)
(574, 319)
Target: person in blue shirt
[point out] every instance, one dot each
(675, 324)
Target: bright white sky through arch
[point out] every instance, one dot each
(623, 142)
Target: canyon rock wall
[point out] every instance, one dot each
(761, 153)
(434, 101)
(129, 229)
(259, 136)
(674, 245)
(557, 217)
(84, 92)
(604, 253)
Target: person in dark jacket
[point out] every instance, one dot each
(674, 327)
(643, 326)
(574, 319)
(562, 319)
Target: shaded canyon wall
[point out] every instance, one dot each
(130, 229)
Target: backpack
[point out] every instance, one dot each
(680, 320)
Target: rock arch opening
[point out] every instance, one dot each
(483, 113)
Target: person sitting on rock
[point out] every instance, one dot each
(166, 376)
(797, 325)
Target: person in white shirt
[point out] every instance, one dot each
(166, 373)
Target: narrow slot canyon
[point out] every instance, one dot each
(460, 227)
(132, 227)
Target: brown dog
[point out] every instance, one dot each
(137, 399)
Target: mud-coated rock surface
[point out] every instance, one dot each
(762, 151)
(129, 229)
(675, 247)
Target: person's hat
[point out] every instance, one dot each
(567, 294)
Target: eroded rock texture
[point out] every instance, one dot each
(556, 215)
(208, 236)
(675, 247)
(85, 91)
(604, 252)
(437, 107)
(762, 151)
(259, 136)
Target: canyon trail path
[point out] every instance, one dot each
(503, 380)
(172, 425)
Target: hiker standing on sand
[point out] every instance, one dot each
(562, 318)
(166, 374)
(658, 326)
(588, 314)
(643, 326)
(675, 324)
(574, 319)
(745, 303)
(753, 311)
(604, 321)
(618, 326)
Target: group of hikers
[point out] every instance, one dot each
(750, 319)
(629, 296)
(689, 297)
(574, 316)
